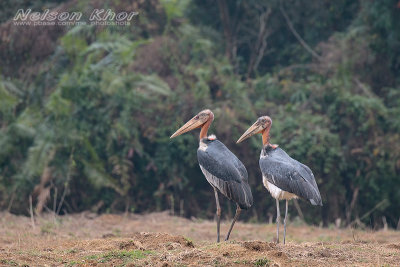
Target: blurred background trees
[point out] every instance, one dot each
(86, 111)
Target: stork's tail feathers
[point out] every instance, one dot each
(246, 201)
(238, 192)
(316, 198)
(316, 202)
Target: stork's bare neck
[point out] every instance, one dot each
(265, 136)
(206, 126)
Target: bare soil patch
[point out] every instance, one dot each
(158, 239)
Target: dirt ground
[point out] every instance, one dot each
(158, 239)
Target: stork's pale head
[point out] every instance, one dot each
(197, 121)
(260, 126)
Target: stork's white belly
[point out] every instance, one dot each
(276, 192)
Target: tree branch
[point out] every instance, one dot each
(258, 50)
(225, 19)
(298, 37)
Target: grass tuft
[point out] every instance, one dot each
(125, 255)
(9, 262)
(262, 262)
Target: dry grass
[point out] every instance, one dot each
(161, 240)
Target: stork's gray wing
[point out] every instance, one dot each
(226, 172)
(289, 175)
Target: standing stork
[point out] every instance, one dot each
(284, 177)
(222, 169)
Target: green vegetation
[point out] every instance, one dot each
(71, 263)
(124, 255)
(86, 111)
(9, 262)
(262, 262)
(242, 262)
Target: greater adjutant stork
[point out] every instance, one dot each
(284, 177)
(222, 169)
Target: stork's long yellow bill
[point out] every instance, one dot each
(196, 122)
(256, 128)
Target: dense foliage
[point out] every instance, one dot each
(86, 111)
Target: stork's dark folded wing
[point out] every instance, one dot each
(290, 175)
(226, 172)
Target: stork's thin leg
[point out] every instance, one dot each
(238, 210)
(278, 220)
(218, 212)
(284, 222)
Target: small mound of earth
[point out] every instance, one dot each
(395, 246)
(258, 245)
(324, 253)
(131, 244)
(280, 254)
(159, 240)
